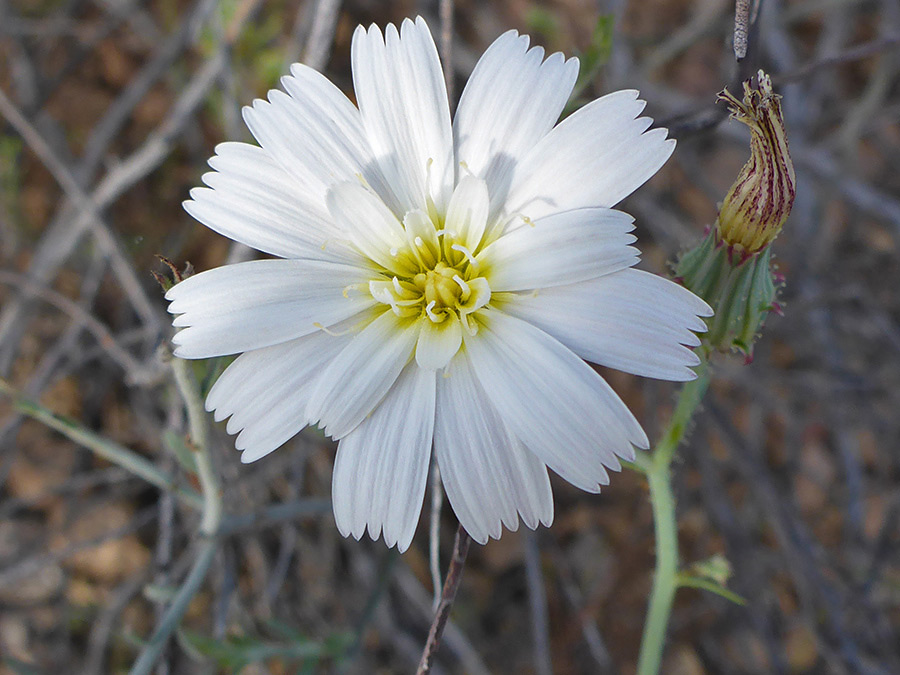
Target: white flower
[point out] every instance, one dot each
(438, 285)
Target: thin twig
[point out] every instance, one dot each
(434, 531)
(321, 34)
(119, 111)
(273, 515)
(106, 622)
(136, 372)
(537, 601)
(589, 631)
(102, 447)
(146, 470)
(29, 567)
(855, 53)
(455, 642)
(707, 117)
(741, 28)
(451, 585)
(794, 538)
(102, 232)
(60, 239)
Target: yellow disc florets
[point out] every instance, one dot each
(441, 279)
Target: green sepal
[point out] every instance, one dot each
(740, 288)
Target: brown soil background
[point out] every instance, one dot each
(791, 471)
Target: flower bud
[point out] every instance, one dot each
(731, 267)
(761, 198)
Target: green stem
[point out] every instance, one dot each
(665, 524)
(211, 517)
(170, 620)
(199, 431)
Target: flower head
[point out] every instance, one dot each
(761, 198)
(731, 267)
(439, 284)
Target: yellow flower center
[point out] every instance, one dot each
(434, 276)
(442, 286)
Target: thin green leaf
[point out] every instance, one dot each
(237, 652)
(689, 581)
(103, 447)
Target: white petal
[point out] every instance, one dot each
(511, 100)
(403, 102)
(381, 466)
(595, 157)
(256, 202)
(315, 133)
(467, 213)
(266, 391)
(369, 224)
(552, 401)
(631, 320)
(256, 304)
(359, 377)
(489, 476)
(438, 342)
(560, 249)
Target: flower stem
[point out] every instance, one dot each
(665, 525)
(451, 584)
(199, 430)
(211, 517)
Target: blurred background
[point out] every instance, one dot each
(109, 110)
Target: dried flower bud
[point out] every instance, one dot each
(731, 267)
(761, 198)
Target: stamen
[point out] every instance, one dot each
(463, 285)
(466, 252)
(384, 296)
